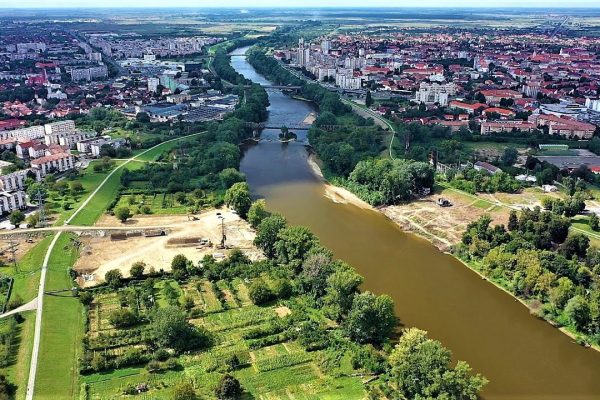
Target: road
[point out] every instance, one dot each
(378, 118)
(42, 286)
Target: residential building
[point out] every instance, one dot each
(56, 130)
(53, 163)
(71, 141)
(153, 84)
(11, 201)
(32, 132)
(431, 93)
(489, 127)
(13, 181)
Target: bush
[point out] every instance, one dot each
(123, 318)
(123, 213)
(113, 278)
(259, 292)
(184, 391)
(228, 388)
(137, 269)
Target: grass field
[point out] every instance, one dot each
(62, 327)
(100, 202)
(25, 285)
(89, 180)
(271, 366)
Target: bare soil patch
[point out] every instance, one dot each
(100, 254)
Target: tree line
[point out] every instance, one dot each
(539, 260)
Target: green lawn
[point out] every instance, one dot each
(156, 152)
(89, 180)
(100, 202)
(25, 285)
(62, 328)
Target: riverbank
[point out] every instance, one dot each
(427, 229)
(531, 306)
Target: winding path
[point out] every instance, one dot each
(41, 289)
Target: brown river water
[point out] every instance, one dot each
(522, 356)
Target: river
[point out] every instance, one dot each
(522, 356)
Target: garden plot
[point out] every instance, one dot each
(269, 364)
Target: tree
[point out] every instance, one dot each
(294, 243)
(267, 234)
(419, 369)
(142, 117)
(113, 278)
(594, 222)
(368, 99)
(257, 213)
(170, 329)
(184, 390)
(76, 188)
(16, 217)
(228, 388)
(342, 285)
(513, 221)
(137, 269)
(562, 292)
(122, 318)
(179, 266)
(578, 312)
(238, 198)
(259, 292)
(86, 298)
(7, 389)
(35, 190)
(123, 213)
(371, 318)
(33, 219)
(576, 245)
(509, 157)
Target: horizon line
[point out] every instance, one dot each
(87, 7)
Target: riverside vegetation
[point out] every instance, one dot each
(294, 323)
(537, 259)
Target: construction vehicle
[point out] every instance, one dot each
(442, 202)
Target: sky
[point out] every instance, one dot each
(293, 3)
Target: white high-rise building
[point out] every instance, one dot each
(593, 104)
(326, 46)
(430, 93)
(153, 84)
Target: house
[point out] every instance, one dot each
(469, 108)
(503, 112)
(484, 166)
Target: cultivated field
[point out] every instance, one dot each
(270, 365)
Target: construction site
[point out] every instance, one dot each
(155, 240)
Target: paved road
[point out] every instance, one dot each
(32, 305)
(41, 289)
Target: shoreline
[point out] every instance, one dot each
(344, 196)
